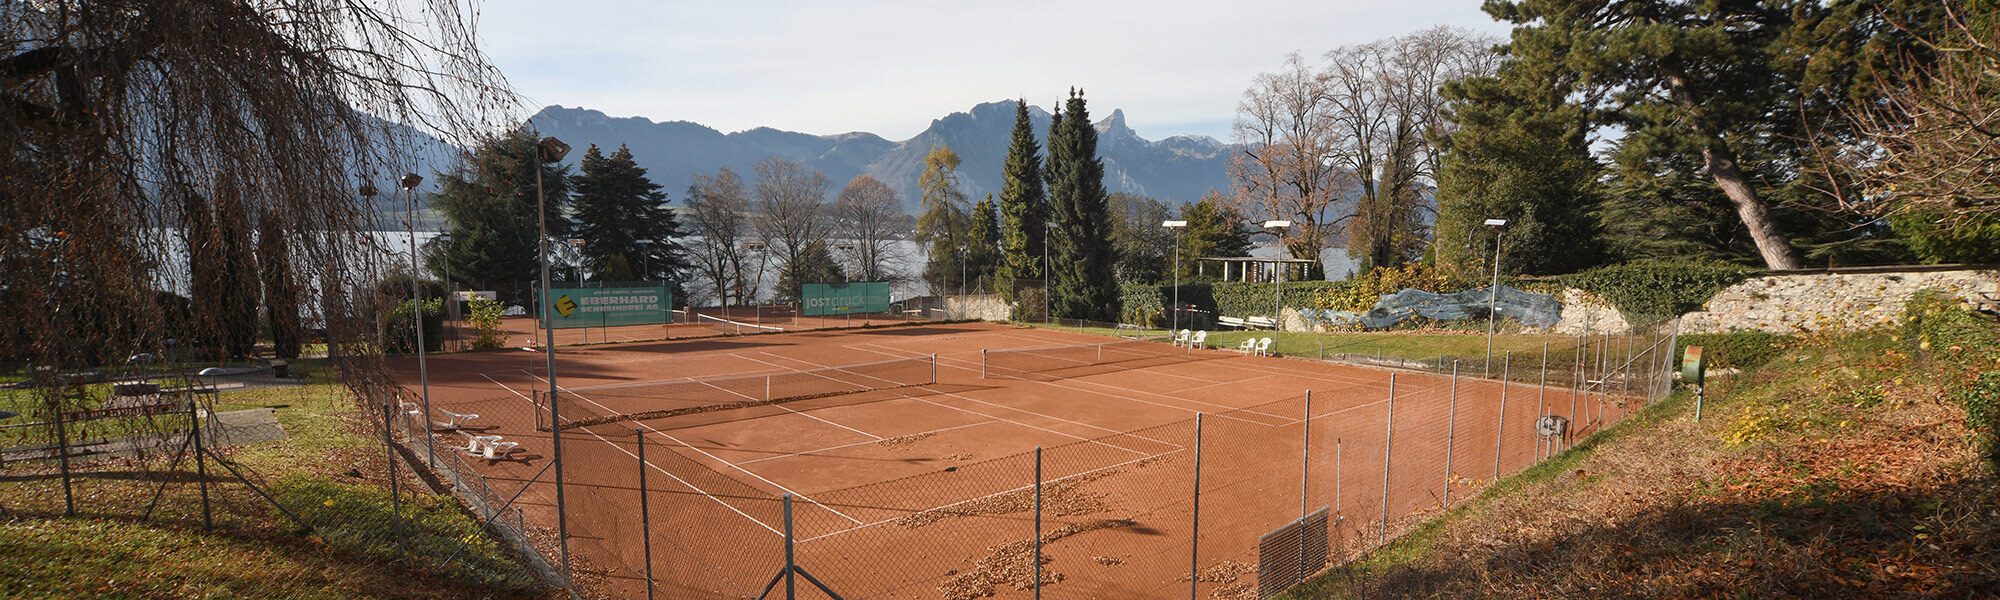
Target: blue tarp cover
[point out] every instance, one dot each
(1533, 310)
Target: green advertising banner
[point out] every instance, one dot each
(823, 299)
(604, 307)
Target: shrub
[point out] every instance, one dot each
(484, 317)
(1640, 290)
(1981, 400)
(400, 337)
(1744, 350)
(1936, 326)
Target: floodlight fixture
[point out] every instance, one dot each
(551, 150)
(1277, 224)
(410, 181)
(1497, 222)
(1175, 224)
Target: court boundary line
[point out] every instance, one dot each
(818, 450)
(697, 489)
(1056, 384)
(1005, 407)
(710, 456)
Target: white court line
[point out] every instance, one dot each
(1078, 423)
(1067, 435)
(676, 440)
(649, 464)
(819, 450)
(1224, 408)
(1106, 467)
(611, 386)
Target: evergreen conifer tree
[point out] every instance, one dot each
(1024, 208)
(982, 245)
(622, 213)
(1214, 230)
(490, 202)
(1080, 251)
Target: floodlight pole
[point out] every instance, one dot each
(1278, 283)
(549, 150)
(409, 182)
(1493, 292)
(1176, 266)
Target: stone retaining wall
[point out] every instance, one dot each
(1831, 300)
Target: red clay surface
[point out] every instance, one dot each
(521, 331)
(870, 471)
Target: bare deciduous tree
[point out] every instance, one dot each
(1354, 143)
(867, 215)
(717, 211)
(1930, 145)
(791, 211)
(1284, 171)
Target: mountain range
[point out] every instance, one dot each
(1177, 169)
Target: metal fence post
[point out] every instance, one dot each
(982, 363)
(1500, 427)
(62, 452)
(1388, 446)
(791, 565)
(1037, 558)
(1194, 539)
(645, 516)
(1451, 434)
(1542, 386)
(201, 464)
(1305, 477)
(395, 487)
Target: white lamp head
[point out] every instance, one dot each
(1497, 222)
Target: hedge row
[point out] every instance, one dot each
(1663, 289)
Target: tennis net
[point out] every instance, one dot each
(596, 405)
(1074, 360)
(734, 327)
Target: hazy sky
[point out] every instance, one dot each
(890, 67)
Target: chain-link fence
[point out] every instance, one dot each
(1238, 503)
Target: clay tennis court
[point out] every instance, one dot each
(924, 490)
(701, 322)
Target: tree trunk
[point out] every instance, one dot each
(1778, 251)
(1721, 161)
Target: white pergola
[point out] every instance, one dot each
(1258, 269)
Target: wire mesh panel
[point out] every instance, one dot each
(1285, 556)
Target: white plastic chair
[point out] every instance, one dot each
(1200, 340)
(454, 420)
(497, 450)
(1181, 339)
(1247, 346)
(1263, 347)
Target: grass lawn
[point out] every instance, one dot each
(331, 472)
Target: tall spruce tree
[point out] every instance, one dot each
(982, 245)
(1024, 207)
(490, 200)
(622, 213)
(1080, 250)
